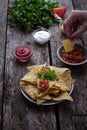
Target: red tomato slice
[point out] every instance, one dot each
(59, 11)
(43, 84)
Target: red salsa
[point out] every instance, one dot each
(43, 84)
(23, 53)
(75, 56)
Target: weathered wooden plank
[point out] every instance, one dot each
(74, 122)
(80, 5)
(3, 19)
(78, 108)
(18, 113)
(57, 36)
(80, 74)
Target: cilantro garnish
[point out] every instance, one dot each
(28, 15)
(39, 75)
(48, 75)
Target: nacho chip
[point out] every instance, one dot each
(58, 71)
(58, 87)
(30, 90)
(63, 96)
(30, 77)
(40, 101)
(44, 97)
(68, 45)
(36, 68)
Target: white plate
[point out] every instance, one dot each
(50, 102)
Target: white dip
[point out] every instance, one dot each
(42, 36)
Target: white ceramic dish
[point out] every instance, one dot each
(51, 102)
(84, 50)
(42, 35)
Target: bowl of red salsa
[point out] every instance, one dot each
(23, 53)
(77, 56)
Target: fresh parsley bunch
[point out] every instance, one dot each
(28, 15)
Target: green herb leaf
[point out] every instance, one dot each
(39, 75)
(48, 75)
(28, 15)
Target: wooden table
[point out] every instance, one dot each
(16, 113)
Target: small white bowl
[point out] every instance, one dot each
(84, 50)
(42, 35)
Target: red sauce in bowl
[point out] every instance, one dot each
(76, 56)
(22, 53)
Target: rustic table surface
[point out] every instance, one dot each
(16, 113)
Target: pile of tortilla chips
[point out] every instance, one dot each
(58, 88)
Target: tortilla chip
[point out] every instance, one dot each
(63, 96)
(49, 91)
(58, 71)
(30, 90)
(40, 101)
(68, 45)
(58, 88)
(66, 80)
(30, 77)
(44, 97)
(36, 68)
(62, 87)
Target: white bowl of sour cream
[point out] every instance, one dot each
(42, 35)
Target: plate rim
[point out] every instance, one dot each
(47, 103)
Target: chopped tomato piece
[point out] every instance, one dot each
(43, 84)
(59, 11)
(75, 56)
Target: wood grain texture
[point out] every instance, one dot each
(73, 122)
(18, 113)
(70, 114)
(80, 5)
(57, 35)
(3, 21)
